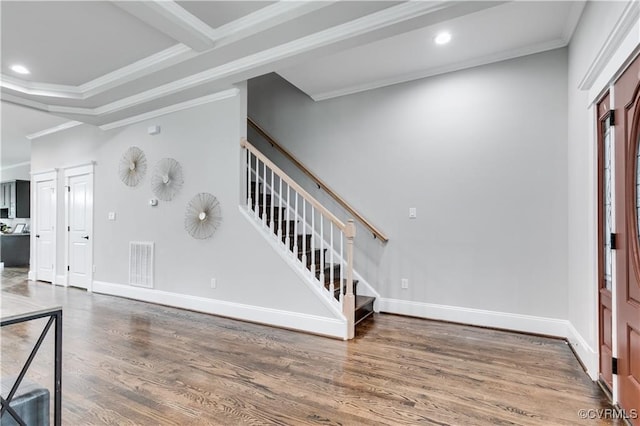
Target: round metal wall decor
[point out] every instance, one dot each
(167, 179)
(133, 166)
(203, 216)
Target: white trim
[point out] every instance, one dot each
(333, 327)
(61, 280)
(627, 20)
(360, 26)
(480, 317)
(1, 266)
(483, 60)
(31, 275)
(586, 354)
(573, 19)
(69, 172)
(55, 129)
(14, 166)
(156, 62)
(48, 175)
(172, 108)
(327, 299)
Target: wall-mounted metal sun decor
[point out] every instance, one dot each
(133, 166)
(203, 216)
(167, 179)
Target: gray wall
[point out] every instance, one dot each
(205, 140)
(481, 154)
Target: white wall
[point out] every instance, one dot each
(596, 24)
(481, 154)
(205, 140)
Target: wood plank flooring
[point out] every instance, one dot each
(134, 363)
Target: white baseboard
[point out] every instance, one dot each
(507, 321)
(60, 280)
(588, 356)
(31, 275)
(1, 266)
(332, 327)
(502, 320)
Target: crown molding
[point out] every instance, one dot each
(172, 20)
(338, 33)
(172, 108)
(264, 19)
(575, 12)
(156, 62)
(55, 129)
(145, 66)
(483, 60)
(625, 23)
(15, 166)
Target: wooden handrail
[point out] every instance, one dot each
(300, 190)
(375, 231)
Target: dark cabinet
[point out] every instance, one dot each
(15, 199)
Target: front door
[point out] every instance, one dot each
(605, 226)
(45, 230)
(79, 205)
(627, 202)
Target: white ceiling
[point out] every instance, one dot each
(100, 62)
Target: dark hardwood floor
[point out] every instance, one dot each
(134, 363)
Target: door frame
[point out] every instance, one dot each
(69, 172)
(37, 177)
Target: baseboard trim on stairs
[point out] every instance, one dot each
(302, 272)
(502, 320)
(331, 327)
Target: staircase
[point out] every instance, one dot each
(304, 246)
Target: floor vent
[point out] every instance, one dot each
(141, 264)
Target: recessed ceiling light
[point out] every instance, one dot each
(20, 69)
(443, 38)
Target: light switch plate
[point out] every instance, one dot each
(112, 216)
(412, 212)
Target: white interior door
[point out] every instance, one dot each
(45, 230)
(79, 216)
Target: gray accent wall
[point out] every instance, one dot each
(480, 153)
(206, 142)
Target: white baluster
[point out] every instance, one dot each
(273, 199)
(322, 263)
(332, 249)
(255, 206)
(295, 227)
(264, 193)
(341, 273)
(248, 167)
(304, 232)
(280, 215)
(313, 241)
(287, 241)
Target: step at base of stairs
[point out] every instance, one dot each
(364, 308)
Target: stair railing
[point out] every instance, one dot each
(321, 184)
(302, 226)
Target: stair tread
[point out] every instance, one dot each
(363, 301)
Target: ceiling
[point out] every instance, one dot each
(101, 62)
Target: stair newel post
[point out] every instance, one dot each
(349, 303)
(331, 274)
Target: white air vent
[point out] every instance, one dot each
(141, 264)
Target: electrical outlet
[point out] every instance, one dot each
(413, 213)
(112, 216)
(404, 282)
(214, 283)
